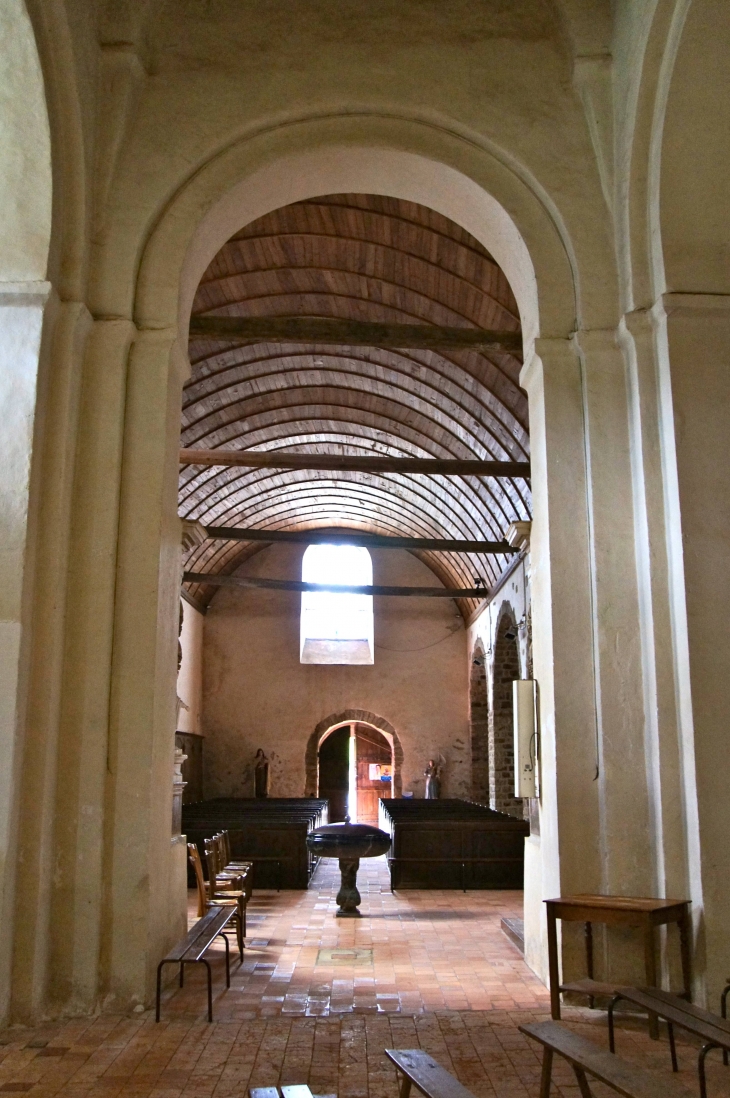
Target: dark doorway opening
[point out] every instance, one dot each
(334, 771)
(371, 750)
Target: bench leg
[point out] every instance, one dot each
(701, 1068)
(210, 990)
(611, 1035)
(405, 1086)
(547, 1072)
(228, 958)
(239, 930)
(672, 1046)
(159, 991)
(580, 1075)
(182, 974)
(723, 1014)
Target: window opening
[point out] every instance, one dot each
(336, 628)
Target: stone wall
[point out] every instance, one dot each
(479, 724)
(505, 669)
(257, 694)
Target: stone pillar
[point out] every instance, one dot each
(566, 856)
(145, 900)
(22, 307)
(698, 344)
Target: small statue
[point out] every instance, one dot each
(261, 774)
(433, 780)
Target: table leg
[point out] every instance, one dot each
(685, 945)
(405, 1086)
(651, 977)
(552, 937)
(589, 958)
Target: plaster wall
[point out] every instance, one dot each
(257, 694)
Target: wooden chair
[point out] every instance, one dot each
(224, 846)
(230, 866)
(208, 898)
(224, 877)
(223, 882)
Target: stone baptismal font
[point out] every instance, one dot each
(349, 842)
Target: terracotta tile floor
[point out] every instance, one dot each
(117, 1057)
(411, 952)
(434, 956)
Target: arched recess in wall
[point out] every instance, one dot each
(479, 725)
(693, 163)
(25, 226)
(505, 669)
(334, 721)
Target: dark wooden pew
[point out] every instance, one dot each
(269, 833)
(452, 844)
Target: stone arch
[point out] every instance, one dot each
(479, 724)
(505, 669)
(151, 274)
(347, 716)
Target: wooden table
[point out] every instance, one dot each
(618, 911)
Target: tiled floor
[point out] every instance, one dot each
(116, 1057)
(411, 952)
(289, 1019)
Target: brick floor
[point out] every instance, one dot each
(411, 952)
(296, 1021)
(116, 1057)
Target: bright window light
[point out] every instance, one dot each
(336, 628)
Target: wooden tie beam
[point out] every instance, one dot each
(350, 333)
(338, 589)
(351, 537)
(355, 463)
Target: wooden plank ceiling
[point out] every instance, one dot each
(369, 258)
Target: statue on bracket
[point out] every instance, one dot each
(432, 773)
(261, 774)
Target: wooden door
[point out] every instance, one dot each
(371, 748)
(334, 772)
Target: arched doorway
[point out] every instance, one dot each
(376, 743)
(505, 669)
(355, 768)
(333, 771)
(479, 725)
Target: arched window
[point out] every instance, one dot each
(336, 628)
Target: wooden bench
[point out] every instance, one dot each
(586, 1058)
(420, 1070)
(713, 1030)
(190, 950)
(295, 1091)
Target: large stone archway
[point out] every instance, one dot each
(475, 188)
(345, 717)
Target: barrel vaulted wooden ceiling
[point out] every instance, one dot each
(360, 257)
